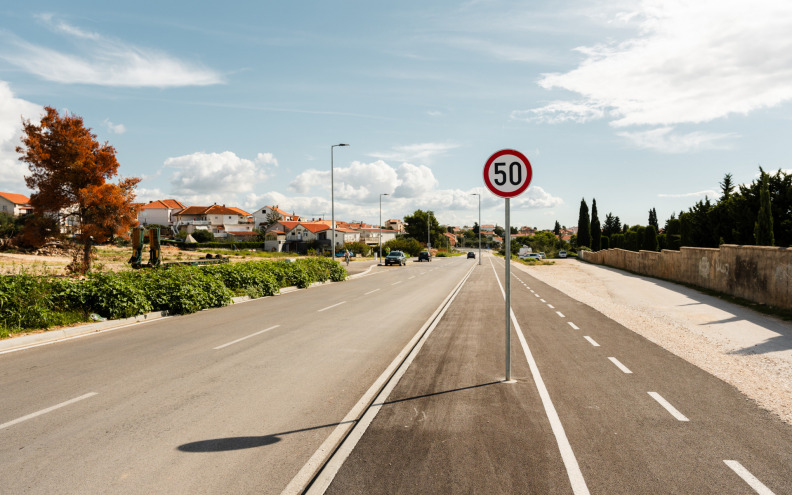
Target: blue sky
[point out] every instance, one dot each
(639, 104)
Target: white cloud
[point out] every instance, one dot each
(536, 197)
(693, 62)
(267, 159)
(103, 61)
(559, 112)
(664, 139)
(414, 181)
(12, 111)
(415, 152)
(213, 177)
(114, 128)
(698, 194)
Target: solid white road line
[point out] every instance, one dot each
(559, 313)
(678, 415)
(329, 307)
(754, 483)
(45, 411)
(370, 292)
(574, 327)
(407, 355)
(591, 341)
(245, 338)
(619, 365)
(579, 486)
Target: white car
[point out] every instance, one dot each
(562, 254)
(531, 256)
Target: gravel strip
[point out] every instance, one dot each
(749, 350)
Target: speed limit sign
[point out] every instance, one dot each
(507, 173)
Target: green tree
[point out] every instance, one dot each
(612, 225)
(422, 223)
(584, 226)
(557, 228)
(650, 239)
(596, 231)
(653, 220)
(763, 229)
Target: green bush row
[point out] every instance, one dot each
(30, 302)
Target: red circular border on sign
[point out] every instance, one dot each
(493, 189)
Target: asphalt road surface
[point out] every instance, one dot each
(253, 398)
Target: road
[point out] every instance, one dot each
(252, 398)
(175, 412)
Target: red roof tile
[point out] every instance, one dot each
(18, 199)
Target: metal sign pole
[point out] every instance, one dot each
(507, 282)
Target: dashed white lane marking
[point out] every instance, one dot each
(671, 409)
(559, 313)
(45, 411)
(537, 295)
(329, 307)
(394, 283)
(245, 338)
(591, 341)
(543, 300)
(622, 367)
(532, 290)
(574, 473)
(370, 292)
(574, 327)
(551, 306)
(410, 278)
(754, 483)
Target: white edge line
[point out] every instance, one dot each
(618, 364)
(45, 411)
(299, 481)
(667, 405)
(330, 307)
(574, 327)
(371, 292)
(245, 338)
(591, 341)
(752, 481)
(576, 479)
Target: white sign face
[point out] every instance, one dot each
(507, 173)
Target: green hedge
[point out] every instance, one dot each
(29, 302)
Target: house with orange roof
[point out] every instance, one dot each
(15, 204)
(261, 216)
(159, 212)
(394, 224)
(217, 219)
(371, 235)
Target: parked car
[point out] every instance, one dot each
(395, 258)
(424, 256)
(562, 254)
(471, 254)
(541, 253)
(532, 256)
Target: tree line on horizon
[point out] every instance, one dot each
(759, 213)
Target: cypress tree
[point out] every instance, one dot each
(584, 225)
(653, 219)
(596, 231)
(763, 229)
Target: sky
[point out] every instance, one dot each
(636, 104)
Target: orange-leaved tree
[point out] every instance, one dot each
(69, 173)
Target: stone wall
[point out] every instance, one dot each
(761, 274)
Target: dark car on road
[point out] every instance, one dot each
(471, 254)
(395, 258)
(424, 256)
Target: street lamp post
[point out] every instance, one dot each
(332, 200)
(428, 235)
(479, 232)
(380, 226)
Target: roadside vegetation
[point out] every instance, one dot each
(32, 302)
